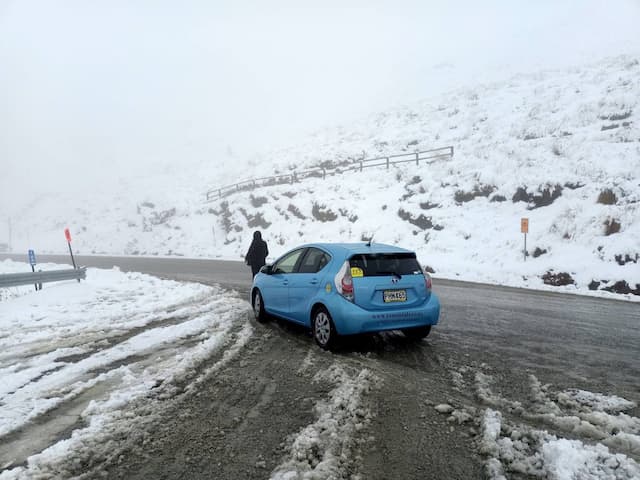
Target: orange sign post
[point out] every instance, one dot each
(67, 235)
(524, 228)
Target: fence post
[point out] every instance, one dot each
(324, 173)
(219, 193)
(417, 158)
(387, 163)
(360, 166)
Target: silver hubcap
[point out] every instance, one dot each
(322, 328)
(256, 305)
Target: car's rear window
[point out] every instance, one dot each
(384, 264)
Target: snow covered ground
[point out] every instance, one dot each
(517, 447)
(561, 148)
(78, 361)
(92, 349)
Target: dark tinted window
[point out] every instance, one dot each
(383, 264)
(313, 261)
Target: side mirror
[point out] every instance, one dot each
(267, 269)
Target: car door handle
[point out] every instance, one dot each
(314, 281)
(285, 282)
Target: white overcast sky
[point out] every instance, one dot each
(93, 89)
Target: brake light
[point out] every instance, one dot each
(344, 282)
(427, 279)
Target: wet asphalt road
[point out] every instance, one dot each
(564, 334)
(565, 340)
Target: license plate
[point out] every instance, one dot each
(394, 296)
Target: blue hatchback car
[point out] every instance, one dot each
(347, 288)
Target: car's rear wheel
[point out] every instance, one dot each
(417, 333)
(258, 307)
(324, 332)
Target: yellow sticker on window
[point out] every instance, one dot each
(357, 272)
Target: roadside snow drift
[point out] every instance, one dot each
(74, 356)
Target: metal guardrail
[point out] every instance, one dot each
(36, 278)
(427, 156)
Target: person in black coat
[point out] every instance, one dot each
(257, 254)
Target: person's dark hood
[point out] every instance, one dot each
(257, 235)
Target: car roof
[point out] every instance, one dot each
(347, 249)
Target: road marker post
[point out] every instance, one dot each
(67, 234)
(524, 228)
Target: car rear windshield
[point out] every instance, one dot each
(384, 264)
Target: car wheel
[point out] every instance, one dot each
(417, 333)
(324, 331)
(258, 307)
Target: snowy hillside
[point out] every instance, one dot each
(561, 148)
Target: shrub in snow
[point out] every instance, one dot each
(420, 221)
(478, 191)
(574, 186)
(620, 260)
(345, 213)
(258, 201)
(544, 199)
(539, 251)
(557, 279)
(296, 211)
(429, 205)
(322, 213)
(607, 197)
(255, 221)
(158, 218)
(611, 226)
(617, 116)
(623, 288)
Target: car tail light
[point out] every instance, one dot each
(344, 282)
(427, 279)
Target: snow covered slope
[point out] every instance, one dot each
(561, 148)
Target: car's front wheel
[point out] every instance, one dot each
(324, 332)
(417, 333)
(258, 307)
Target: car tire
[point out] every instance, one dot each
(417, 333)
(258, 307)
(323, 330)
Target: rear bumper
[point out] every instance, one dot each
(349, 319)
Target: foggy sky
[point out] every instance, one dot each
(94, 90)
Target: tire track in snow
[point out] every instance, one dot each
(143, 360)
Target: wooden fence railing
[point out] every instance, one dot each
(427, 156)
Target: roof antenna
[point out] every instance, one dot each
(372, 235)
(370, 240)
